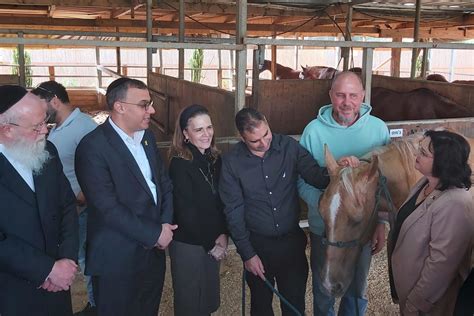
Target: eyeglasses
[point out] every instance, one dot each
(35, 128)
(145, 105)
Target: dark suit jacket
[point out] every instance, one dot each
(124, 223)
(36, 229)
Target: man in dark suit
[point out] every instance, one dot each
(130, 205)
(38, 219)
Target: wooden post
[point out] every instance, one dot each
(346, 50)
(97, 63)
(367, 61)
(416, 38)
(149, 35)
(255, 78)
(274, 60)
(241, 55)
(395, 61)
(425, 67)
(181, 40)
(21, 62)
(51, 72)
(219, 69)
(124, 71)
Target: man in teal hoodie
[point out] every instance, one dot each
(347, 127)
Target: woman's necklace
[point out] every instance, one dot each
(210, 179)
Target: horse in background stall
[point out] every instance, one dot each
(282, 72)
(418, 104)
(348, 204)
(323, 72)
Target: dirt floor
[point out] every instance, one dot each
(380, 302)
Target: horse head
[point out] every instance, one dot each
(318, 72)
(348, 211)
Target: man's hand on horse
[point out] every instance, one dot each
(255, 266)
(348, 161)
(378, 239)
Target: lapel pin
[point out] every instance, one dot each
(146, 143)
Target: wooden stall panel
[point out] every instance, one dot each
(290, 105)
(86, 99)
(181, 93)
(463, 126)
(9, 79)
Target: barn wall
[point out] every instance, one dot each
(290, 105)
(86, 99)
(8, 79)
(177, 94)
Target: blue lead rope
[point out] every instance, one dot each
(272, 288)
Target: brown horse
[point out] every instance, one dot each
(348, 206)
(282, 72)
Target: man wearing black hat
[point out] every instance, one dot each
(71, 125)
(129, 196)
(38, 219)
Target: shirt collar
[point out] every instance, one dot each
(135, 140)
(68, 120)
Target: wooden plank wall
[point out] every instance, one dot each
(86, 99)
(182, 93)
(9, 79)
(290, 105)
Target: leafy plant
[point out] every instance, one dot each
(196, 63)
(28, 70)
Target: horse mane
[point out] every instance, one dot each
(407, 149)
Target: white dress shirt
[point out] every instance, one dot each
(135, 147)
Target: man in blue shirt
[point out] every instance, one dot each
(347, 127)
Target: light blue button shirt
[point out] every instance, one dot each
(25, 173)
(66, 137)
(134, 145)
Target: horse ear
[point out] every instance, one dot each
(331, 163)
(304, 68)
(374, 166)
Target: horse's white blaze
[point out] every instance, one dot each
(334, 208)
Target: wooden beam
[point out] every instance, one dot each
(395, 61)
(74, 3)
(451, 33)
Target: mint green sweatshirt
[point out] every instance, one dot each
(367, 133)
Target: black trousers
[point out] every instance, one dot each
(465, 301)
(133, 293)
(284, 261)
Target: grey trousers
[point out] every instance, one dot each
(196, 282)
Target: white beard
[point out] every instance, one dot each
(32, 155)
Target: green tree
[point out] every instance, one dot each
(195, 63)
(28, 70)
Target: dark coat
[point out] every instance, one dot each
(36, 229)
(124, 223)
(198, 208)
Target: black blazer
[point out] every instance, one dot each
(198, 208)
(124, 223)
(36, 229)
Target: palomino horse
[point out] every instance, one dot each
(348, 205)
